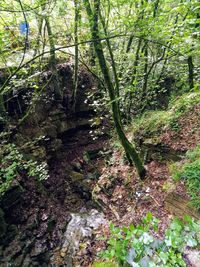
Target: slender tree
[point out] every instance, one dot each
(76, 62)
(130, 151)
(55, 80)
(190, 72)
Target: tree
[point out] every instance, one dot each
(130, 151)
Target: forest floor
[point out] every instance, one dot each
(90, 174)
(126, 200)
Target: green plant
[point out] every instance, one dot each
(194, 154)
(190, 172)
(183, 103)
(13, 164)
(154, 122)
(105, 264)
(137, 247)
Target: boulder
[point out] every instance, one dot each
(76, 176)
(193, 257)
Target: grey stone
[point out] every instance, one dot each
(81, 226)
(194, 257)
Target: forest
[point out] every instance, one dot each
(99, 133)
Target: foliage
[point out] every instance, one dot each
(190, 172)
(136, 246)
(155, 121)
(165, 34)
(152, 121)
(97, 102)
(142, 43)
(181, 104)
(105, 264)
(194, 154)
(14, 164)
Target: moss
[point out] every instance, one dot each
(76, 176)
(105, 264)
(152, 122)
(189, 171)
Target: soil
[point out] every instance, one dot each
(90, 173)
(126, 200)
(187, 135)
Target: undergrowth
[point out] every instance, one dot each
(13, 164)
(190, 172)
(155, 121)
(136, 246)
(105, 264)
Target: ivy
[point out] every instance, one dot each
(136, 246)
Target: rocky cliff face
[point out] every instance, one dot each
(35, 215)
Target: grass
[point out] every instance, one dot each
(105, 264)
(189, 171)
(152, 122)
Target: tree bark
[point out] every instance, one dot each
(75, 78)
(55, 79)
(40, 22)
(130, 151)
(190, 72)
(3, 113)
(111, 56)
(133, 80)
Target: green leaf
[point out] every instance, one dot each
(191, 242)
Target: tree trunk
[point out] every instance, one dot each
(145, 81)
(3, 113)
(37, 46)
(190, 72)
(75, 78)
(133, 80)
(111, 56)
(130, 151)
(55, 79)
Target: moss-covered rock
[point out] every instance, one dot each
(160, 134)
(76, 176)
(152, 123)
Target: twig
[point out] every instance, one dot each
(73, 45)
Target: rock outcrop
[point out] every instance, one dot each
(34, 215)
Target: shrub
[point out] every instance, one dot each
(13, 163)
(136, 246)
(190, 172)
(152, 122)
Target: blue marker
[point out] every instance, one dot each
(24, 28)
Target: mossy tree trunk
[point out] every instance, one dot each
(130, 151)
(75, 76)
(3, 113)
(130, 95)
(55, 79)
(190, 72)
(37, 46)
